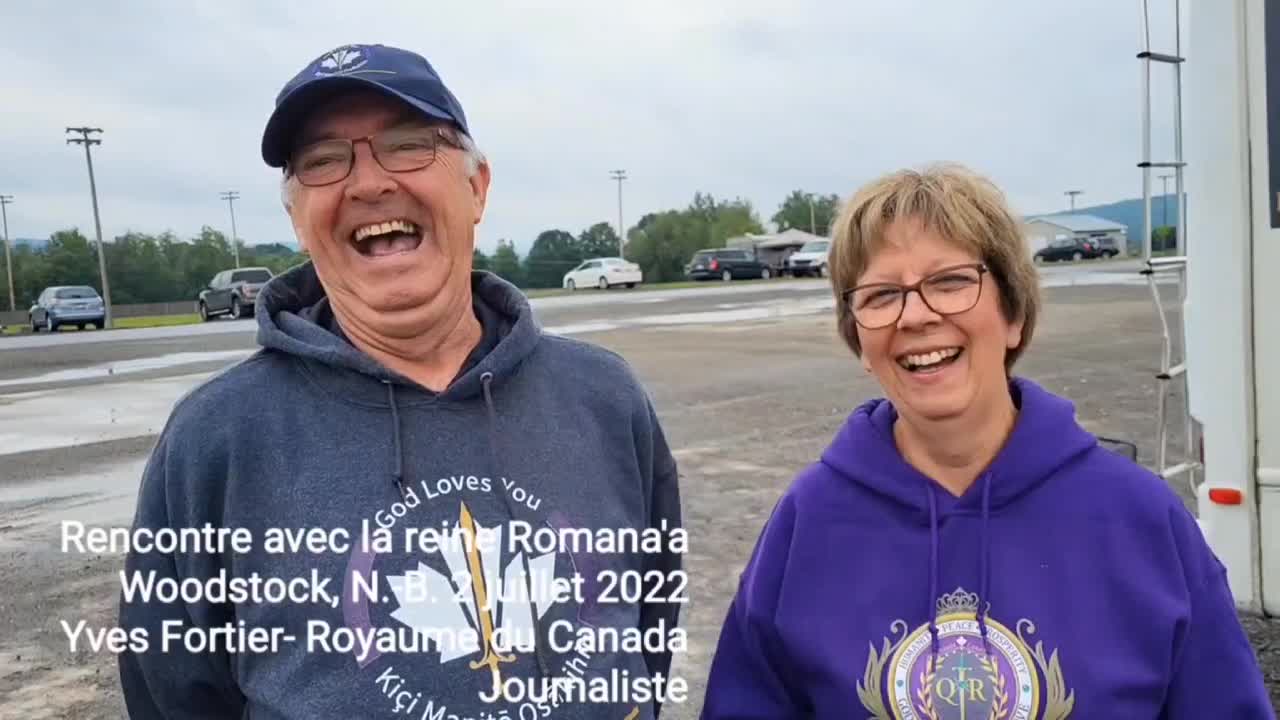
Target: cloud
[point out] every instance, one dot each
(741, 99)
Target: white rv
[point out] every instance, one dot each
(1230, 107)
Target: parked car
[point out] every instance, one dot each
(232, 292)
(1068, 249)
(810, 259)
(603, 273)
(1107, 246)
(726, 264)
(78, 305)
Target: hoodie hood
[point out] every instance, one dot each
(1045, 437)
(865, 452)
(294, 317)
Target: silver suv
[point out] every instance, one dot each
(78, 305)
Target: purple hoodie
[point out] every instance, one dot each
(1067, 581)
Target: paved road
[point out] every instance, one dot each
(28, 361)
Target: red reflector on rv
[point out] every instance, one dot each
(1226, 496)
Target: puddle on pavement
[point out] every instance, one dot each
(739, 314)
(585, 327)
(48, 419)
(33, 509)
(125, 367)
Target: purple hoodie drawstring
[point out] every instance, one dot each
(984, 571)
(985, 564)
(933, 580)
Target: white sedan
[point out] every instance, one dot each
(603, 273)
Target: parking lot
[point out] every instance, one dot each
(750, 385)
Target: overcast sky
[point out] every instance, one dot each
(733, 97)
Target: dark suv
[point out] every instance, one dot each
(1069, 249)
(232, 292)
(725, 264)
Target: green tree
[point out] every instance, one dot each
(599, 240)
(663, 243)
(139, 271)
(506, 263)
(71, 260)
(30, 275)
(209, 254)
(731, 220)
(554, 253)
(479, 261)
(797, 212)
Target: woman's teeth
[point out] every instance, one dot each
(922, 360)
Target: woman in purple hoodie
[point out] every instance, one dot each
(964, 549)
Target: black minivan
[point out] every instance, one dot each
(726, 264)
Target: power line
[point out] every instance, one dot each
(86, 140)
(231, 196)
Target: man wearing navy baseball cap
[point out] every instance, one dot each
(491, 514)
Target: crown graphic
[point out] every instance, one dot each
(958, 601)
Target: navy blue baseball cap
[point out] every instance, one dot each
(395, 72)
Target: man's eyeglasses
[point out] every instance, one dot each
(949, 291)
(399, 150)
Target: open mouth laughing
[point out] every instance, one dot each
(390, 237)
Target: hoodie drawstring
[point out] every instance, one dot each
(984, 571)
(985, 560)
(933, 580)
(398, 474)
(486, 382)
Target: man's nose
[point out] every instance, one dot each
(916, 311)
(368, 181)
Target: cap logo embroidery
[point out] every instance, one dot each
(346, 59)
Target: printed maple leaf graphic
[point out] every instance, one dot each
(341, 58)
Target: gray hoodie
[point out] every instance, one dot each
(543, 449)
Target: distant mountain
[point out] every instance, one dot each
(34, 243)
(1129, 213)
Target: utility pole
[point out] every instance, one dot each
(8, 260)
(88, 141)
(620, 175)
(1073, 194)
(231, 196)
(1164, 198)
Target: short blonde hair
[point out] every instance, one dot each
(958, 204)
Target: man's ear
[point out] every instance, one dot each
(480, 191)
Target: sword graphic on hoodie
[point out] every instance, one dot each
(484, 611)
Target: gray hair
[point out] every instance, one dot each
(473, 158)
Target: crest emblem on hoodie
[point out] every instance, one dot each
(499, 611)
(964, 677)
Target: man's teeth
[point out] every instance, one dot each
(385, 228)
(931, 358)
